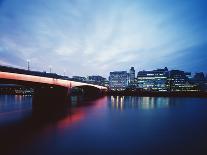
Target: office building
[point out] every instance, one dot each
(178, 81)
(79, 78)
(132, 75)
(154, 80)
(96, 79)
(118, 80)
(200, 80)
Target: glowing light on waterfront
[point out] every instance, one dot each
(147, 103)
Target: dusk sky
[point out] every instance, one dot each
(94, 37)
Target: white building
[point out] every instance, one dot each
(118, 80)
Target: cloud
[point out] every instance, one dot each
(96, 37)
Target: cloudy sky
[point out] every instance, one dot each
(87, 37)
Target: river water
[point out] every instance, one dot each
(108, 125)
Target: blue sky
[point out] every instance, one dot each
(85, 37)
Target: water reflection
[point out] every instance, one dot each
(134, 102)
(14, 101)
(76, 100)
(90, 127)
(15, 116)
(78, 111)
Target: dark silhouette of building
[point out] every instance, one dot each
(79, 78)
(200, 80)
(96, 79)
(178, 81)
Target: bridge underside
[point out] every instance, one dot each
(89, 91)
(49, 98)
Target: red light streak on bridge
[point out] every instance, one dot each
(45, 80)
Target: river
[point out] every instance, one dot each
(108, 125)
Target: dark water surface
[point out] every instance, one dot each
(108, 125)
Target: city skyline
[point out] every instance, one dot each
(96, 37)
(128, 71)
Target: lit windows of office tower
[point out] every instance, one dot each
(154, 80)
(179, 81)
(118, 80)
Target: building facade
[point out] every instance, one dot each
(96, 79)
(79, 78)
(155, 80)
(132, 75)
(200, 80)
(118, 80)
(178, 81)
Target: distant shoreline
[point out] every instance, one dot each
(135, 93)
(157, 94)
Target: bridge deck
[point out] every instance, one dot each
(45, 80)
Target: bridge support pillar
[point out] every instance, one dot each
(50, 98)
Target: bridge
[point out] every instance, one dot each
(47, 87)
(32, 80)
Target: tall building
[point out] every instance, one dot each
(118, 80)
(132, 75)
(154, 80)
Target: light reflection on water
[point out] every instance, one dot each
(14, 108)
(11, 102)
(134, 102)
(78, 110)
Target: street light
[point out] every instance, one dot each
(50, 68)
(64, 72)
(28, 64)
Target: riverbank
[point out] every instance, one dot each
(117, 93)
(158, 94)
